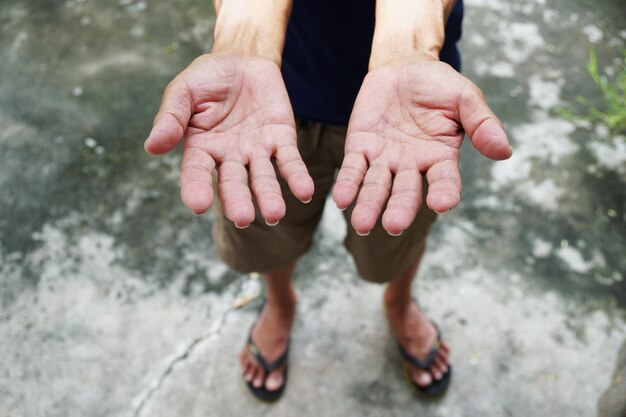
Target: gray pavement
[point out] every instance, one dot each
(113, 301)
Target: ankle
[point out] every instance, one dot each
(395, 300)
(283, 302)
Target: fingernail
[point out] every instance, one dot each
(241, 227)
(272, 224)
(362, 234)
(395, 234)
(340, 208)
(441, 212)
(307, 201)
(511, 148)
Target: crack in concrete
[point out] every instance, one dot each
(169, 369)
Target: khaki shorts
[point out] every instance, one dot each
(379, 257)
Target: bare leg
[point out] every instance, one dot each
(411, 327)
(272, 329)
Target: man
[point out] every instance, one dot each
(407, 124)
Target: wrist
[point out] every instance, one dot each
(402, 55)
(408, 29)
(245, 30)
(246, 37)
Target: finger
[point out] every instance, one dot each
(481, 124)
(405, 201)
(215, 145)
(235, 194)
(196, 176)
(444, 185)
(172, 119)
(372, 198)
(293, 170)
(349, 179)
(267, 190)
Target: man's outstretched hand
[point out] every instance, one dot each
(235, 115)
(410, 119)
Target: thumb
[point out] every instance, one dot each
(171, 121)
(483, 127)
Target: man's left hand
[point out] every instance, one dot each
(409, 119)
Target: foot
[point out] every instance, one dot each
(271, 335)
(416, 334)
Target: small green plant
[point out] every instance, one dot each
(612, 112)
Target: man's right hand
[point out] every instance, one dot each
(235, 115)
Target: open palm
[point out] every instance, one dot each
(235, 116)
(409, 120)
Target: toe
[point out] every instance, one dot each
(422, 378)
(435, 372)
(444, 352)
(250, 373)
(275, 379)
(441, 365)
(247, 372)
(244, 362)
(258, 379)
(253, 370)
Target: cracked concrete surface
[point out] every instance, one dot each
(144, 398)
(112, 299)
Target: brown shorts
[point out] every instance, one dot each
(379, 257)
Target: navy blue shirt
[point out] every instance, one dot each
(327, 52)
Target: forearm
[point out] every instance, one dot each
(408, 27)
(251, 27)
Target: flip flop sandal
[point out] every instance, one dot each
(262, 393)
(437, 387)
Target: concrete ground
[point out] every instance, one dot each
(113, 302)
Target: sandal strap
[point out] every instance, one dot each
(256, 352)
(268, 367)
(423, 364)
